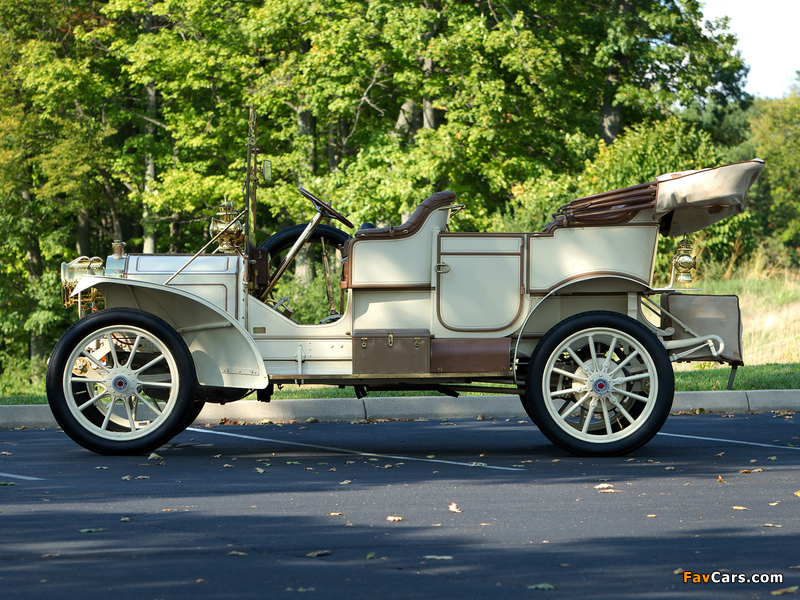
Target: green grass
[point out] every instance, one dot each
(17, 400)
(752, 377)
(748, 378)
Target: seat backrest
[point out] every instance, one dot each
(428, 206)
(394, 256)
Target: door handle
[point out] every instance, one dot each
(442, 268)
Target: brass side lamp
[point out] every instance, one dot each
(683, 262)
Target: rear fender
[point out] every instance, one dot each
(224, 354)
(605, 285)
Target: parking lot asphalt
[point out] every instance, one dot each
(439, 508)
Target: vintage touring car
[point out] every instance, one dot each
(566, 318)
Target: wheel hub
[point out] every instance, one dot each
(601, 386)
(121, 384)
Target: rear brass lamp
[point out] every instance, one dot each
(683, 262)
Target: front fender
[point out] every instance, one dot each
(223, 352)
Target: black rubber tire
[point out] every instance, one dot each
(197, 408)
(524, 399)
(68, 394)
(285, 238)
(605, 437)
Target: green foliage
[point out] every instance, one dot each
(776, 136)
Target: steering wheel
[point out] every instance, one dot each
(325, 209)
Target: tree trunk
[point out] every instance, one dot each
(148, 222)
(304, 265)
(428, 114)
(116, 223)
(175, 233)
(307, 128)
(611, 119)
(33, 263)
(82, 245)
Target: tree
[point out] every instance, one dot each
(656, 53)
(776, 135)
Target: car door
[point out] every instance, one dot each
(479, 281)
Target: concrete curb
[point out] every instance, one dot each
(416, 407)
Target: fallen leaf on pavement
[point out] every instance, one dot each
(437, 557)
(394, 518)
(739, 508)
(454, 507)
(603, 486)
(154, 456)
(318, 553)
(236, 553)
(781, 592)
(541, 586)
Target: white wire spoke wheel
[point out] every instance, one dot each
(600, 383)
(121, 381)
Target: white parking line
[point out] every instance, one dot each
(24, 477)
(708, 439)
(354, 452)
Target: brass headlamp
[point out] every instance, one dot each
(233, 238)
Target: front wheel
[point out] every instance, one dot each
(600, 384)
(121, 381)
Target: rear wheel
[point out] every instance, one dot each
(600, 384)
(121, 381)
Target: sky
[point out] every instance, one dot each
(767, 32)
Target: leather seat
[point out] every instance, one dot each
(416, 220)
